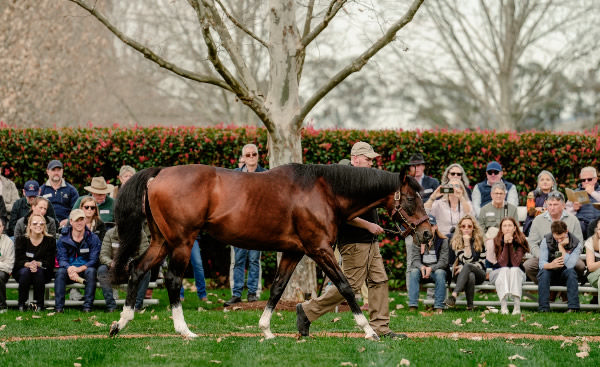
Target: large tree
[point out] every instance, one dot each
(493, 64)
(291, 28)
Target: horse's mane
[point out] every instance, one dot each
(350, 181)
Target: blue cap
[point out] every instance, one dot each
(493, 166)
(55, 163)
(432, 220)
(32, 188)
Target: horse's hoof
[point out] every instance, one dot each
(190, 335)
(373, 337)
(114, 329)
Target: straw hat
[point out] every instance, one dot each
(99, 186)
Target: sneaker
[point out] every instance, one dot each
(86, 310)
(110, 310)
(572, 310)
(412, 308)
(59, 310)
(148, 294)
(75, 295)
(439, 311)
(450, 301)
(302, 322)
(233, 300)
(394, 336)
(252, 297)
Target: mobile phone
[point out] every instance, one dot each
(447, 190)
(557, 254)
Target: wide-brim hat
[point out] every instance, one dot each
(99, 186)
(415, 159)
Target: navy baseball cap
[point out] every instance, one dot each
(32, 188)
(493, 166)
(432, 220)
(55, 163)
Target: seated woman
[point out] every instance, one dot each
(39, 206)
(469, 267)
(429, 265)
(451, 207)
(537, 198)
(456, 171)
(592, 254)
(92, 217)
(7, 261)
(34, 261)
(510, 245)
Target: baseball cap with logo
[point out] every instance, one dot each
(55, 163)
(32, 188)
(362, 148)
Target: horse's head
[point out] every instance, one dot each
(406, 209)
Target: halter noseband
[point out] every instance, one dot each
(410, 225)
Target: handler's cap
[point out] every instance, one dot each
(32, 188)
(493, 165)
(76, 214)
(362, 148)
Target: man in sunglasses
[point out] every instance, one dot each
(586, 213)
(482, 193)
(416, 168)
(540, 227)
(240, 255)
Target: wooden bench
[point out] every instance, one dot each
(49, 302)
(529, 291)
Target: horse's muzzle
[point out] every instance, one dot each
(426, 236)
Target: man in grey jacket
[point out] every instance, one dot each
(429, 264)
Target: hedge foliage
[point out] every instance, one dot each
(88, 152)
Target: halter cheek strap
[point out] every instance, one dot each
(408, 224)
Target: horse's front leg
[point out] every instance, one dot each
(324, 257)
(153, 257)
(287, 264)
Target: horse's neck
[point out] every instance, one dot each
(356, 206)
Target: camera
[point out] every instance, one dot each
(447, 190)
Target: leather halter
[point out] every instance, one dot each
(408, 224)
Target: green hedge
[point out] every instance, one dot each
(88, 152)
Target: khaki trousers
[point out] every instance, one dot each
(360, 262)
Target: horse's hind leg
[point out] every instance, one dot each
(154, 256)
(287, 264)
(326, 260)
(179, 261)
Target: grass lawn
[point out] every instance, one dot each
(221, 350)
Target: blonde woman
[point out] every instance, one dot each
(34, 261)
(92, 217)
(592, 254)
(469, 267)
(450, 207)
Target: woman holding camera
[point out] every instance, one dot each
(34, 261)
(456, 172)
(468, 269)
(453, 205)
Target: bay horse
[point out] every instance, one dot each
(295, 209)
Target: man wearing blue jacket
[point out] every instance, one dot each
(78, 252)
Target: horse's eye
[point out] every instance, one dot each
(410, 199)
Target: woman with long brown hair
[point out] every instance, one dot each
(469, 268)
(510, 245)
(92, 216)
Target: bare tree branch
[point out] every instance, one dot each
(149, 54)
(240, 25)
(358, 63)
(334, 7)
(307, 21)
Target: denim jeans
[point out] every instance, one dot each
(3, 279)
(546, 277)
(253, 257)
(107, 290)
(438, 277)
(38, 279)
(196, 261)
(60, 285)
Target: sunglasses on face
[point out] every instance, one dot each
(466, 226)
(89, 207)
(589, 179)
(248, 155)
(493, 172)
(38, 223)
(458, 174)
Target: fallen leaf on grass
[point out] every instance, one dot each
(154, 317)
(19, 318)
(142, 311)
(4, 349)
(516, 356)
(158, 355)
(279, 314)
(485, 321)
(77, 319)
(219, 339)
(99, 324)
(148, 347)
(301, 340)
(94, 317)
(536, 324)
(76, 364)
(512, 365)
(336, 319)
(476, 338)
(214, 361)
(404, 362)
(457, 322)
(347, 364)
(50, 313)
(399, 306)
(454, 336)
(362, 349)
(492, 309)
(36, 316)
(426, 314)
(2, 327)
(553, 327)
(513, 325)
(582, 354)
(466, 351)
(201, 309)
(469, 320)
(236, 308)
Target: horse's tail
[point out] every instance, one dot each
(131, 210)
